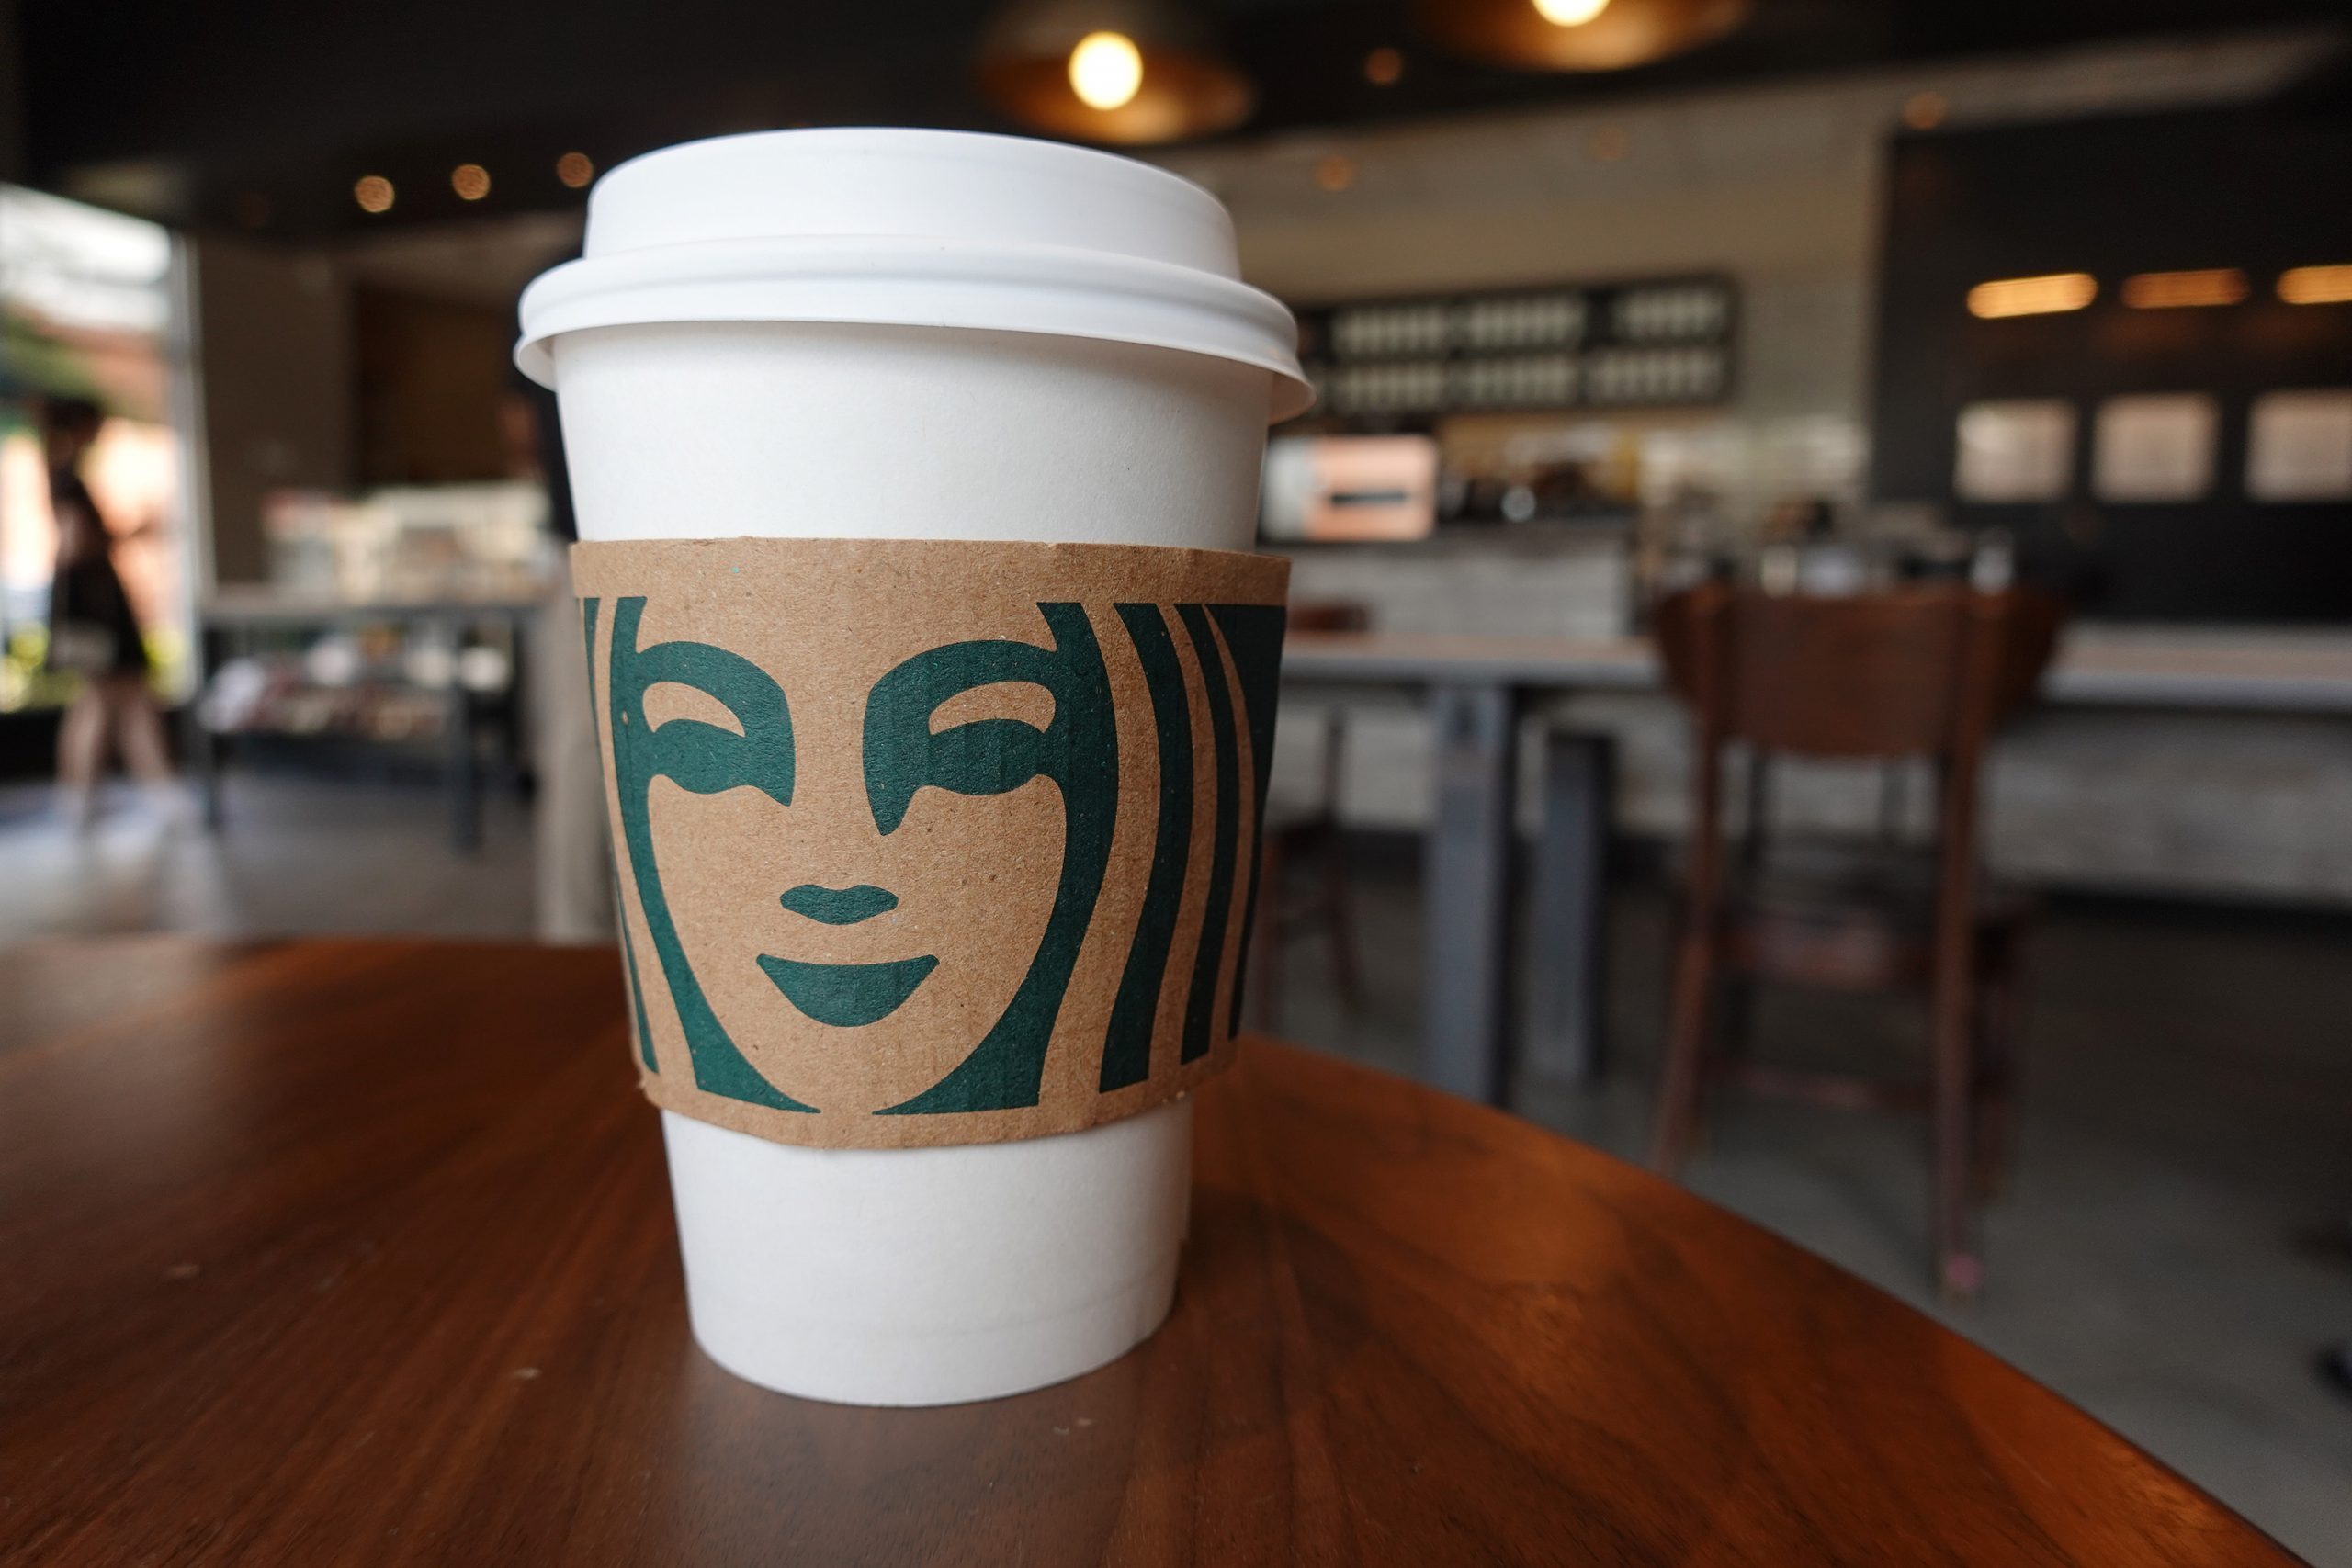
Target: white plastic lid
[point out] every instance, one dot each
(916, 228)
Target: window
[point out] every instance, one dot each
(2300, 448)
(2020, 450)
(86, 311)
(2155, 448)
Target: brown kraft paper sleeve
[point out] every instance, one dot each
(930, 841)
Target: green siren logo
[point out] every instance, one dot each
(888, 864)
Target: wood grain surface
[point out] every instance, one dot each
(360, 1252)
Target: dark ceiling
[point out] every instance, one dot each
(260, 113)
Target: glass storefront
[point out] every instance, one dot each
(88, 309)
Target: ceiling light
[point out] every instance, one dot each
(2043, 296)
(1576, 35)
(1381, 67)
(1105, 70)
(2316, 286)
(575, 169)
(2168, 290)
(1130, 72)
(470, 181)
(1569, 13)
(373, 193)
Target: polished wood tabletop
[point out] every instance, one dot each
(360, 1252)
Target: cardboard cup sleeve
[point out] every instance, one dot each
(930, 841)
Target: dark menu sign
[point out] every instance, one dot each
(1399, 362)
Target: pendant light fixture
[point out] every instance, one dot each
(1576, 35)
(1127, 71)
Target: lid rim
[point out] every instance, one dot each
(919, 281)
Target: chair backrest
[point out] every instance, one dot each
(1328, 616)
(1924, 670)
(1918, 670)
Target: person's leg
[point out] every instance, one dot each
(82, 752)
(139, 731)
(148, 754)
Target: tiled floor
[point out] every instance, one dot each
(2188, 1128)
(298, 858)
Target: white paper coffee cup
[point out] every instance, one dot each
(928, 335)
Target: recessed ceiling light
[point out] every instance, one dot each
(1576, 35)
(1570, 13)
(1129, 71)
(1105, 70)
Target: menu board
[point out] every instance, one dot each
(1393, 363)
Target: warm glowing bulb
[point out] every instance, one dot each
(373, 193)
(470, 181)
(1106, 70)
(1569, 13)
(575, 169)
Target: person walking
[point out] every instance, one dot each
(92, 633)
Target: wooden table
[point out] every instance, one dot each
(360, 1252)
(1477, 689)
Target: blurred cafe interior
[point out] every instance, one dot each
(1683, 369)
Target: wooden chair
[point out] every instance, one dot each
(1914, 672)
(1307, 834)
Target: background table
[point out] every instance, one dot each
(360, 1251)
(234, 619)
(1477, 688)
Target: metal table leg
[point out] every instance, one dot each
(204, 750)
(1567, 916)
(463, 773)
(464, 785)
(1468, 901)
(207, 750)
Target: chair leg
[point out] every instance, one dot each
(1686, 1046)
(1339, 916)
(1738, 1006)
(1266, 962)
(1995, 1098)
(1959, 1270)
